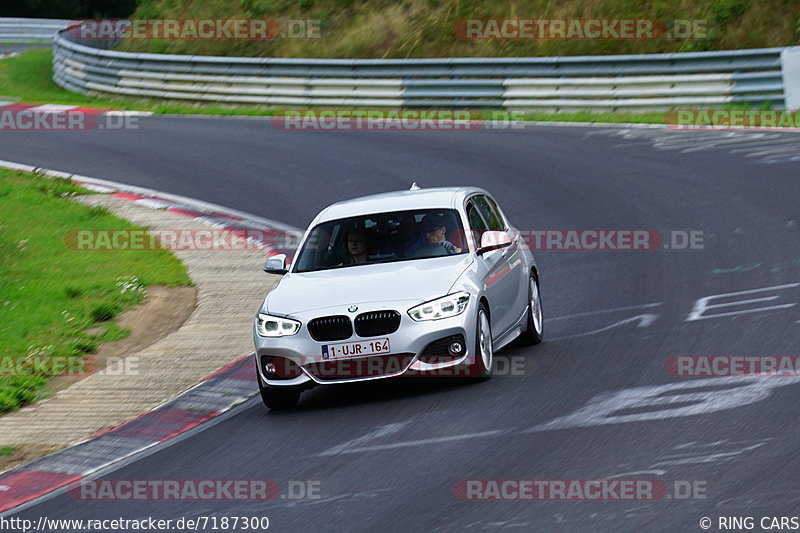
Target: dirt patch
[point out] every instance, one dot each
(163, 311)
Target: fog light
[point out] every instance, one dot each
(455, 348)
(270, 368)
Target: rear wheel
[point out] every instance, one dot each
(481, 367)
(533, 334)
(278, 398)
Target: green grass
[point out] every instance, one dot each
(50, 294)
(28, 78)
(6, 451)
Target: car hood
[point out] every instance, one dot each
(418, 280)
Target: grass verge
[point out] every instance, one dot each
(56, 301)
(27, 78)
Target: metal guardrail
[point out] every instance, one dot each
(21, 30)
(598, 83)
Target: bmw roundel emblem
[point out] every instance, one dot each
(353, 308)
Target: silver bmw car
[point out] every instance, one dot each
(424, 282)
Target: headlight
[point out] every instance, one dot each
(445, 307)
(275, 326)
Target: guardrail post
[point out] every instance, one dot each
(790, 69)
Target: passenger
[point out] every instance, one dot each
(358, 247)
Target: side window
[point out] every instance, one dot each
(493, 207)
(476, 222)
(489, 211)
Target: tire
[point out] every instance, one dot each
(481, 368)
(278, 398)
(535, 321)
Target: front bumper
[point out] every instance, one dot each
(407, 346)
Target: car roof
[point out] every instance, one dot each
(432, 198)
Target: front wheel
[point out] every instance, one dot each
(533, 334)
(278, 398)
(481, 367)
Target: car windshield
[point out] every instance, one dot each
(381, 238)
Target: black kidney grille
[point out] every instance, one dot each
(377, 323)
(330, 328)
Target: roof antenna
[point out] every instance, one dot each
(414, 187)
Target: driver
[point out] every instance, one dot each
(432, 238)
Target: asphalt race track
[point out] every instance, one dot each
(592, 402)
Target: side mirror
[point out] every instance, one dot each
(276, 265)
(493, 240)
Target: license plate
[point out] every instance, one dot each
(355, 349)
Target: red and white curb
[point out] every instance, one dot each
(220, 392)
